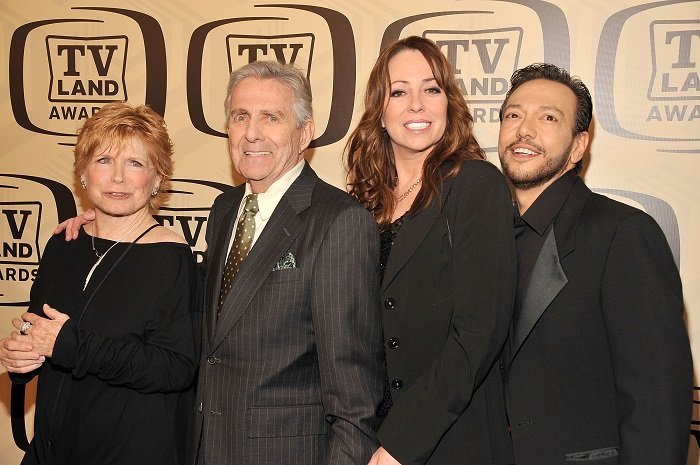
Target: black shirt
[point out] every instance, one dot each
(531, 229)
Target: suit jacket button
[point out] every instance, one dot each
(394, 343)
(397, 384)
(389, 303)
(211, 360)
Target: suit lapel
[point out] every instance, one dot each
(412, 234)
(279, 234)
(546, 281)
(548, 277)
(217, 257)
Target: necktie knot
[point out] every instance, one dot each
(251, 203)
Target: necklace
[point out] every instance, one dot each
(399, 198)
(101, 256)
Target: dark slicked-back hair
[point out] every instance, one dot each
(550, 72)
(584, 104)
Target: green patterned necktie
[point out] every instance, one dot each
(242, 241)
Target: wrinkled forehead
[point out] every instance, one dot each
(261, 92)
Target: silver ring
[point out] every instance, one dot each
(24, 328)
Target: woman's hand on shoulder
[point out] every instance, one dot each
(382, 457)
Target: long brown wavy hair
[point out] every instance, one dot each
(370, 157)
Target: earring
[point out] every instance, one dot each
(83, 183)
(154, 192)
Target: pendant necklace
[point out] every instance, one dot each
(410, 189)
(101, 256)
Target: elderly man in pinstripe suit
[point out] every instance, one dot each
(291, 369)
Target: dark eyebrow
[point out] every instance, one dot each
(541, 108)
(401, 81)
(551, 108)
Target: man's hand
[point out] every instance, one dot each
(382, 457)
(72, 225)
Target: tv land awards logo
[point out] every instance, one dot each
(291, 34)
(30, 208)
(84, 70)
(486, 46)
(293, 49)
(188, 208)
(675, 70)
(483, 62)
(675, 78)
(666, 105)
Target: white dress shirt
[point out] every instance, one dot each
(267, 201)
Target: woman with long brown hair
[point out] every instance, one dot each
(448, 261)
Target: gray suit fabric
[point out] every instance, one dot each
(292, 371)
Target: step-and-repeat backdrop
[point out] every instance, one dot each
(60, 60)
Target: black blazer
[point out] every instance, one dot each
(447, 295)
(291, 371)
(598, 369)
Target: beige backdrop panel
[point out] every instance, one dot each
(60, 60)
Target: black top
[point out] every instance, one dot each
(118, 389)
(531, 229)
(387, 237)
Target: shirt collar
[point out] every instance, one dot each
(268, 200)
(546, 207)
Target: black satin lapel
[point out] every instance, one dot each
(279, 234)
(547, 280)
(217, 257)
(410, 236)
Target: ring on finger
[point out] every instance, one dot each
(25, 328)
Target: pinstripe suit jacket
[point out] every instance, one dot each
(292, 369)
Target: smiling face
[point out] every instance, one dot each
(415, 112)
(536, 144)
(263, 137)
(120, 179)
